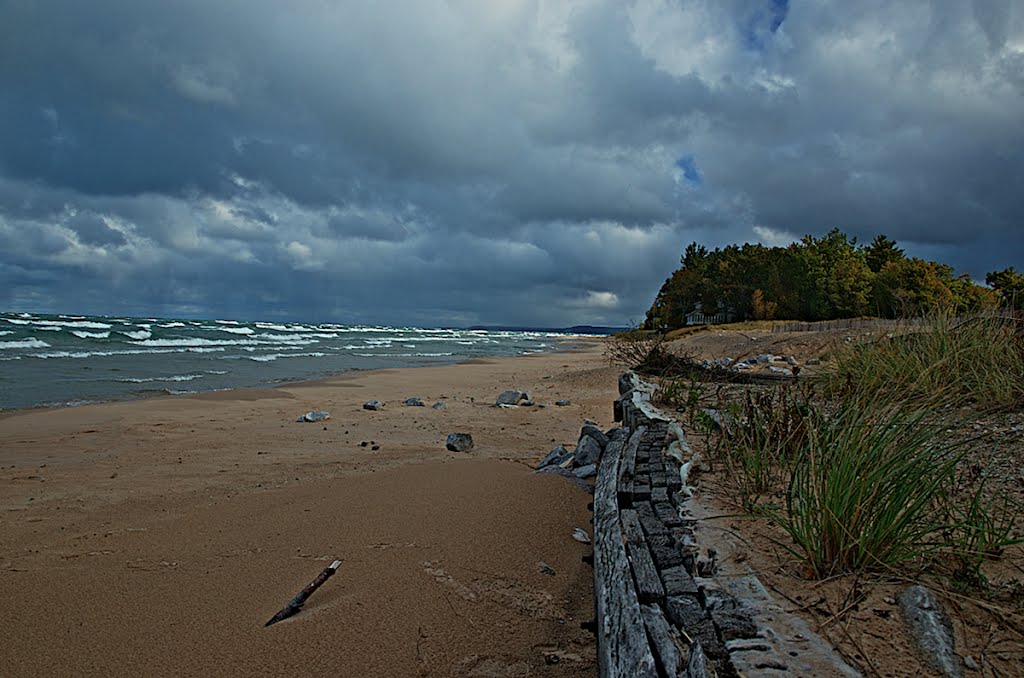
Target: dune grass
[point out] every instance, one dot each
(860, 469)
(867, 487)
(942, 360)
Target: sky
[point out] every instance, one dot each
(503, 162)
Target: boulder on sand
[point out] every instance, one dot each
(511, 397)
(459, 442)
(373, 405)
(315, 415)
(588, 451)
(555, 457)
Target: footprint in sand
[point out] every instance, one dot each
(435, 570)
(507, 593)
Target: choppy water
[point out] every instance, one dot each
(62, 360)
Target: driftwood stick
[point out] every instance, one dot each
(298, 601)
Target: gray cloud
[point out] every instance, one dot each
(506, 162)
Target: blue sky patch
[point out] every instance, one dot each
(767, 18)
(688, 165)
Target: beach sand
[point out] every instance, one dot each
(156, 537)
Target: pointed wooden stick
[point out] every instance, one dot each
(298, 601)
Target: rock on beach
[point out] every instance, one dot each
(459, 442)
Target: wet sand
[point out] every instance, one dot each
(156, 537)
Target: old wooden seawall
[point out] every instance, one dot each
(663, 607)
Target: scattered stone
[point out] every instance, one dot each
(790, 360)
(315, 415)
(723, 362)
(588, 451)
(439, 405)
(742, 366)
(375, 448)
(779, 370)
(764, 358)
(413, 402)
(511, 397)
(545, 569)
(363, 444)
(506, 406)
(527, 403)
(373, 405)
(556, 456)
(585, 471)
(595, 433)
(971, 663)
(931, 629)
(812, 361)
(459, 442)
(563, 403)
(581, 536)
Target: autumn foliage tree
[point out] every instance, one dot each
(818, 279)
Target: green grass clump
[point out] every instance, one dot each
(975, 361)
(867, 487)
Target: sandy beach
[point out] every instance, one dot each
(156, 537)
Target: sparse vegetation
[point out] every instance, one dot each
(944, 360)
(863, 469)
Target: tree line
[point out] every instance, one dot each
(824, 278)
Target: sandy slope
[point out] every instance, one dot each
(155, 537)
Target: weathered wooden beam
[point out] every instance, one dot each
(664, 641)
(622, 647)
(626, 468)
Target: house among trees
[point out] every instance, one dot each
(698, 317)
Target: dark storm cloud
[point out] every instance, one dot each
(514, 161)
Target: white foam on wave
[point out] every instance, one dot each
(94, 354)
(141, 334)
(81, 334)
(195, 341)
(148, 380)
(75, 324)
(226, 322)
(31, 342)
(271, 326)
(174, 324)
(16, 321)
(288, 338)
(5, 332)
(271, 357)
(236, 330)
(404, 355)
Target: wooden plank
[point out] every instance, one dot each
(664, 642)
(628, 463)
(648, 584)
(649, 588)
(626, 469)
(622, 647)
